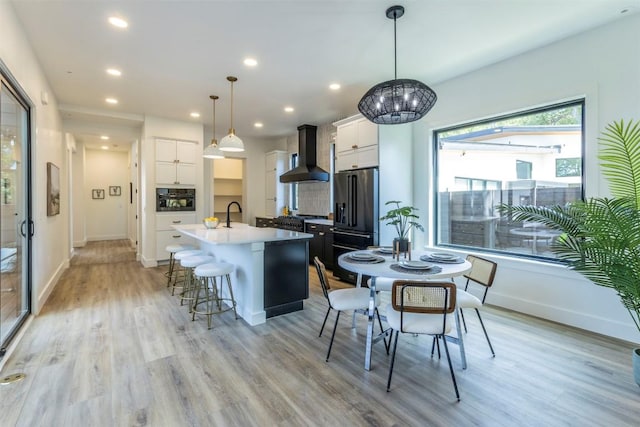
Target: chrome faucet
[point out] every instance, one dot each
(228, 216)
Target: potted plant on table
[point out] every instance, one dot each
(403, 218)
(601, 236)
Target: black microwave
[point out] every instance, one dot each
(175, 199)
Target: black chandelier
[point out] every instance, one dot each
(399, 100)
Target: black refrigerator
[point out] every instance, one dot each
(355, 215)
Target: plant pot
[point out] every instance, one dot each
(636, 365)
(402, 245)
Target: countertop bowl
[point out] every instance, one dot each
(211, 224)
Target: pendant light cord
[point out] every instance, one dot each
(214, 119)
(395, 47)
(232, 130)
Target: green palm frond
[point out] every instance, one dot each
(600, 239)
(620, 158)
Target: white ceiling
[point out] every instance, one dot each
(176, 53)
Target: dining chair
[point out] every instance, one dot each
(423, 308)
(482, 273)
(341, 300)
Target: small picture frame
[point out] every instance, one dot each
(53, 189)
(114, 190)
(97, 193)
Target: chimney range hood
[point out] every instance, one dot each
(307, 169)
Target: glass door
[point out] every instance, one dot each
(16, 228)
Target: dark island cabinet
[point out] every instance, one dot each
(321, 245)
(286, 276)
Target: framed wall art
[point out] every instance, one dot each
(53, 189)
(97, 193)
(114, 190)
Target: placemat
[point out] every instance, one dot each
(432, 270)
(377, 260)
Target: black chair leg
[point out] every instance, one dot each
(333, 334)
(435, 344)
(393, 358)
(386, 344)
(325, 321)
(464, 323)
(453, 376)
(485, 332)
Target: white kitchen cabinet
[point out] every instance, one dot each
(166, 235)
(354, 159)
(356, 143)
(176, 162)
(275, 165)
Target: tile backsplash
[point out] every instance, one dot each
(314, 198)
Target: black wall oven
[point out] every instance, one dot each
(175, 199)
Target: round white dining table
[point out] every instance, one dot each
(389, 268)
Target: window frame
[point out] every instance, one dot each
(435, 218)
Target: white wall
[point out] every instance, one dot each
(602, 66)
(50, 242)
(106, 219)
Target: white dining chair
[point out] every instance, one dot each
(482, 273)
(423, 308)
(341, 300)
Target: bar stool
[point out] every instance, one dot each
(179, 274)
(207, 282)
(190, 283)
(173, 249)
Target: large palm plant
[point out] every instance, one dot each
(601, 236)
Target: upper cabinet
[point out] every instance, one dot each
(356, 143)
(176, 162)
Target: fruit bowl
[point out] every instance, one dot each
(211, 222)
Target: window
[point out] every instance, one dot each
(529, 158)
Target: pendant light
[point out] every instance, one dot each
(231, 142)
(212, 151)
(399, 100)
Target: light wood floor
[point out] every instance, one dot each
(113, 348)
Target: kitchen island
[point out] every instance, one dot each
(271, 275)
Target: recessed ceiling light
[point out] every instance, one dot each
(114, 72)
(105, 147)
(118, 22)
(195, 114)
(111, 101)
(288, 109)
(334, 86)
(250, 62)
(104, 137)
(258, 124)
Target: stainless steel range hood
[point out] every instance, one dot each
(307, 169)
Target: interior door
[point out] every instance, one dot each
(16, 227)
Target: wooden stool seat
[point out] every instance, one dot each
(209, 294)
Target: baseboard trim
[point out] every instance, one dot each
(48, 288)
(559, 314)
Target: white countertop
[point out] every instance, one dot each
(238, 234)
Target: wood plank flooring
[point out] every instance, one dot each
(112, 347)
